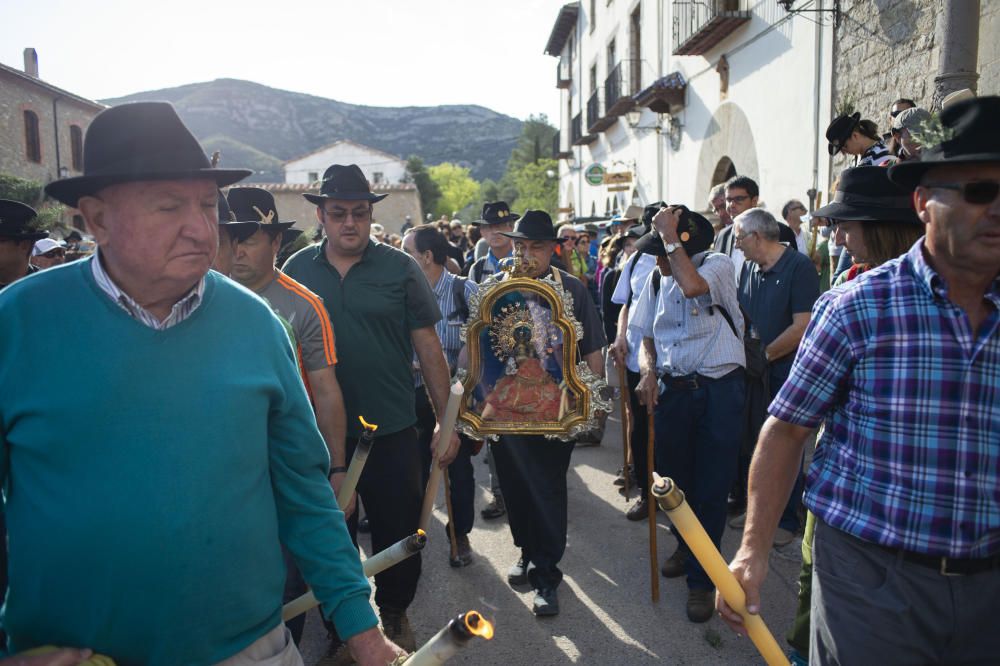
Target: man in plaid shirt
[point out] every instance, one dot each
(904, 366)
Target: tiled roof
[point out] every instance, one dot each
(562, 28)
(18, 74)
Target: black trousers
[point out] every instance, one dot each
(460, 475)
(390, 488)
(640, 433)
(532, 472)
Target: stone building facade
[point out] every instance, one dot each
(41, 126)
(888, 49)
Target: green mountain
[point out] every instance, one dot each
(260, 127)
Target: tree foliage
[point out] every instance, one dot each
(458, 188)
(32, 193)
(536, 190)
(428, 190)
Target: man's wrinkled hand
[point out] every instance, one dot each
(666, 222)
(750, 571)
(372, 648)
(336, 480)
(619, 350)
(450, 453)
(648, 390)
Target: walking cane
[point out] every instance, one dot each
(671, 500)
(447, 421)
(654, 575)
(623, 393)
(451, 518)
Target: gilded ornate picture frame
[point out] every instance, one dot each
(522, 374)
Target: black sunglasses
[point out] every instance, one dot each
(978, 193)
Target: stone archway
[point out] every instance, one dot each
(728, 146)
(724, 170)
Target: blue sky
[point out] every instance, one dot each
(379, 52)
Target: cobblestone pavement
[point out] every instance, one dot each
(607, 616)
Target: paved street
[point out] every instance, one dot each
(607, 616)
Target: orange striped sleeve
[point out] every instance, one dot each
(329, 342)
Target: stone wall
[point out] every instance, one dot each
(18, 95)
(887, 49)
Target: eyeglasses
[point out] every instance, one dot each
(739, 198)
(977, 193)
(743, 237)
(340, 215)
(568, 239)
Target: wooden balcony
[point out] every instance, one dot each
(700, 26)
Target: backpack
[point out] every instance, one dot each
(461, 311)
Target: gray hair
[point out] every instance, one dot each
(717, 192)
(760, 221)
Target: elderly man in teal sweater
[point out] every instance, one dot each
(151, 479)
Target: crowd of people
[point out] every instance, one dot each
(226, 383)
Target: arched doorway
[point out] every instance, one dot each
(724, 170)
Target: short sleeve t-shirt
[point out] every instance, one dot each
(304, 312)
(374, 309)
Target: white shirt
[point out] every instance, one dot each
(636, 278)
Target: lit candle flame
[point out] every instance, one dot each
(478, 625)
(421, 533)
(367, 426)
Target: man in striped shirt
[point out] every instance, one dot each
(429, 248)
(903, 364)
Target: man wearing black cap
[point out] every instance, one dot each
(383, 311)
(303, 314)
(693, 377)
(200, 456)
(17, 238)
(496, 219)
(230, 233)
(532, 469)
(903, 368)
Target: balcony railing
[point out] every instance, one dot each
(618, 88)
(700, 26)
(593, 112)
(559, 152)
(579, 138)
(564, 77)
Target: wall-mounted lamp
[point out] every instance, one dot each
(789, 6)
(634, 116)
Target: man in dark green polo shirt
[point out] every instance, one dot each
(383, 311)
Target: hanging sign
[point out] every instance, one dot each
(594, 174)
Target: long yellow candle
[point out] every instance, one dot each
(447, 642)
(447, 428)
(375, 564)
(671, 500)
(357, 463)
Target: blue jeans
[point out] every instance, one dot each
(698, 436)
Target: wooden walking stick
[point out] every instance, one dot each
(451, 517)
(623, 392)
(654, 575)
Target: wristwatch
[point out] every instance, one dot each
(671, 247)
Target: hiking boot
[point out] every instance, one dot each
(639, 510)
(494, 509)
(620, 478)
(700, 605)
(518, 572)
(463, 555)
(545, 603)
(396, 627)
(673, 566)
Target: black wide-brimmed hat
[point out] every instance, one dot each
(345, 182)
(135, 142)
(227, 221)
(256, 206)
(695, 232)
(840, 130)
(975, 139)
(15, 221)
(535, 225)
(866, 194)
(497, 212)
